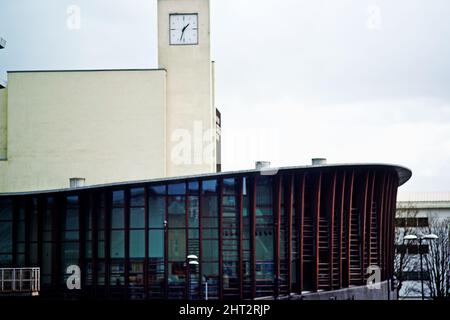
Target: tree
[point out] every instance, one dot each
(437, 262)
(403, 261)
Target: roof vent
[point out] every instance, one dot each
(262, 165)
(2, 43)
(77, 182)
(319, 162)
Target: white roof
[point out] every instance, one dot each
(423, 197)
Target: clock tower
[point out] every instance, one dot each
(184, 50)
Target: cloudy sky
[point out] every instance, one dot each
(349, 80)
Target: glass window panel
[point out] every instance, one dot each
(101, 249)
(72, 219)
(193, 212)
(20, 260)
(210, 250)
(156, 243)
(5, 212)
(137, 218)
(229, 201)
(21, 247)
(157, 207)
(118, 218)
(177, 275)
(194, 233)
(177, 189)
(177, 212)
(5, 259)
(193, 187)
(71, 235)
(210, 222)
(47, 220)
(101, 219)
(5, 237)
(210, 207)
(88, 249)
(117, 244)
(177, 245)
(119, 198)
(210, 269)
(210, 234)
(72, 202)
(47, 258)
(157, 190)
(264, 194)
(264, 244)
(137, 244)
(229, 186)
(137, 197)
(34, 226)
(71, 253)
(209, 186)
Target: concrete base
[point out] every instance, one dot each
(353, 293)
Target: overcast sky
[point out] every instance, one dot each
(349, 80)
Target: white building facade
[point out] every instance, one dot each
(417, 213)
(111, 126)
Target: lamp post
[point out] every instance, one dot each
(421, 238)
(192, 262)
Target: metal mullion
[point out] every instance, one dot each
(363, 223)
(370, 217)
(95, 211)
(107, 235)
(40, 218)
(316, 223)
(127, 263)
(349, 224)
(277, 221)
(220, 209)
(147, 238)
(82, 210)
(332, 224)
(394, 209)
(200, 236)
(253, 231)
(15, 224)
(381, 223)
(166, 243)
(341, 227)
(384, 226)
(186, 221)
(300, 222)
(288, 204)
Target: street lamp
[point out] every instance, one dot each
(192, 261)
(421, 237)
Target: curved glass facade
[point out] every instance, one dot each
(247, 235)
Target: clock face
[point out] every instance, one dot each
(183, 29)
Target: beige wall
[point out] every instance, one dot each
(189, 89)
(113, 126)
(3, 123)
(106, 126)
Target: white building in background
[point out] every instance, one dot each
(111, 126)
(414, 211)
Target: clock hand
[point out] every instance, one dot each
(183, 30)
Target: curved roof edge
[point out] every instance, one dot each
(404, 174)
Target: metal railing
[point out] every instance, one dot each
(20, 281)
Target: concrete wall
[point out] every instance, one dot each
(105, 126)
(189, 90)
(353, 293)
(3, 123)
